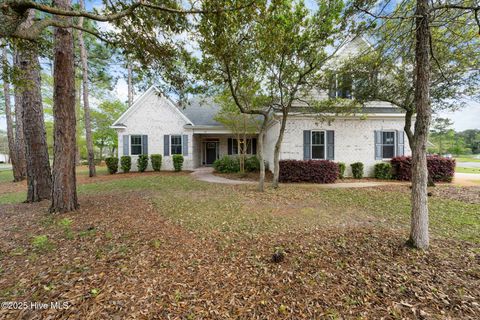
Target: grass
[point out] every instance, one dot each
(467, 170)
(240, 210)
(468, 158)
(6, 176)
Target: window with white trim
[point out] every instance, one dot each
(341, 86)
(388, 144)
(176, 144)
(136, 145)
(318, 145)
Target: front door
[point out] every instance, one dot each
(210, 152)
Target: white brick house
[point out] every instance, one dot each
(156, 125)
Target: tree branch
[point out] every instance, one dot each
(23, 5)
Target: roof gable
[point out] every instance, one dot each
(119, 123)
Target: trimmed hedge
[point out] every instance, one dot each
(156, 160)
(177, 162)
(383, 171)
(231, 164)
(112, 164)
(440, 169)
(142, 162)
(126, 163)
(227, 164)
(317, 171)
(357, 170)
(341, 170)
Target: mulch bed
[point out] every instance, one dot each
(123, 260)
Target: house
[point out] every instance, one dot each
(4, 158)
(154, 124)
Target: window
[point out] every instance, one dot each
(251, 146)
(388, 144)
(341, 86)
(176, 144)
(136, 145)
(318, 144)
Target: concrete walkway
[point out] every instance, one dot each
(206, 174)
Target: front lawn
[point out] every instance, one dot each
(162, 245)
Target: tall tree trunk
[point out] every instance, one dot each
(8, 115)
(86, 105)
(419, 237)
(64, 193)
(276, 152)
(261, 136)
(130, 84)
(39, 179)
(20, 171)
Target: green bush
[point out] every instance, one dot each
(252, 164)
(227, 164)
(383, 171)
(142, 162)
(156, 160)
(126, 163)
(341, 170)
(357, 170)
(177, 162)
(112, 164)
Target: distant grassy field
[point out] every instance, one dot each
(467, 170)
(468, 158)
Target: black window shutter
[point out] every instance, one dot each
(378, 145)
(254, 146)
(306, 144)
(229, 146)
(145, 144)
(330, 145)
(166, 145)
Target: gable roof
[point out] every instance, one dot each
(118, 124)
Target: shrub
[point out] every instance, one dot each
(341, 170)
(227, 164)
(439, 168)
(142, 162)
(252, 164)
(156, 160)
(112, 164)
(126, 163)
(177, 162)
(357, 170)
(383, 171)
(317, 171)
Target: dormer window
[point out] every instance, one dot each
(341, 86)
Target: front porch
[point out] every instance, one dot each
(209, 147)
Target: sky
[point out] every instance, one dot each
(466, 118)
